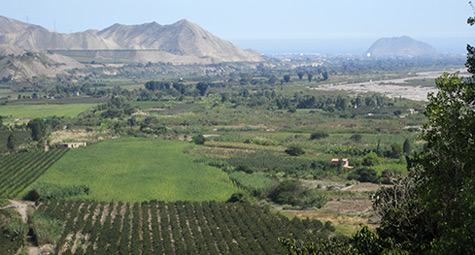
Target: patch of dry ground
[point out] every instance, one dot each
(346, 213)
(64, 136)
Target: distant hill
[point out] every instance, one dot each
(181, 42)
(400, 46)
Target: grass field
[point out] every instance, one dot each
(41, 111)
(139, 169)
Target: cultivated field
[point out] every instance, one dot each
(139, 169)
(174, 228)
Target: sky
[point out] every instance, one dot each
(309, 25)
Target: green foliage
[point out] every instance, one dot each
(286, 78)
(253, 181)
(12, 232)
(364, 174)
(318, 135)
(19, 170)
(45, 229)
(48, 191)
(12, 142)
(407, 147)
(198, 139)
(295, 150)
(370, 159)
(38, 129)
(202, 87)
(356, 138)
(292, 192)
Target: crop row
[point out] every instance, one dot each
(174, 228)
(18, 171)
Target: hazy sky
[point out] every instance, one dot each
(242, 20)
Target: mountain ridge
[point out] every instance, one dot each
(183, 39)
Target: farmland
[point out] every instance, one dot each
(138, 169)
(18, 171)
(207, 164)
(174, 228)
(30, 111)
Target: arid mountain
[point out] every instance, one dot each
(401, 46)
(181, 42)
(18, 65)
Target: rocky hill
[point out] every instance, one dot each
(181, 42)
(400, 46)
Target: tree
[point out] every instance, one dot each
(370, 159)
(38, 129)
(300, 75)
(309, 77)
(202, 87)
(286, 78)
(406, 147)
(11, 142)
(433, 211)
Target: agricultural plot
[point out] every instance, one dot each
(43, 110)
(18, 171)
(140, 169)
(175, 228)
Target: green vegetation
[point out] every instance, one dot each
(13, 232)
(19, 170)
(138, 169)
(43, 110)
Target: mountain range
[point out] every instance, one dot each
(403, 46)
(181, 42)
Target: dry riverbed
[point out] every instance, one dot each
(392, 88)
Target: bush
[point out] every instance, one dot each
(244, 168)
(46, 191)
(45, 229)
(198, 139)
(364, 174)
(356, 138)
(295, 150)
(318, 135)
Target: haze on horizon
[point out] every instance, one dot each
(277, 26)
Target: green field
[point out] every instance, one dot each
(139, 169)
(43, 110)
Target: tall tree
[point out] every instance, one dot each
(38, 129)
(202, 87)
(286, 78)
(11, 142)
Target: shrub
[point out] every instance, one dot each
(198, 139)
(46, 191)
(318, 135)
(46, 230)
(295, 150)
(364, 174)
(356, 138)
